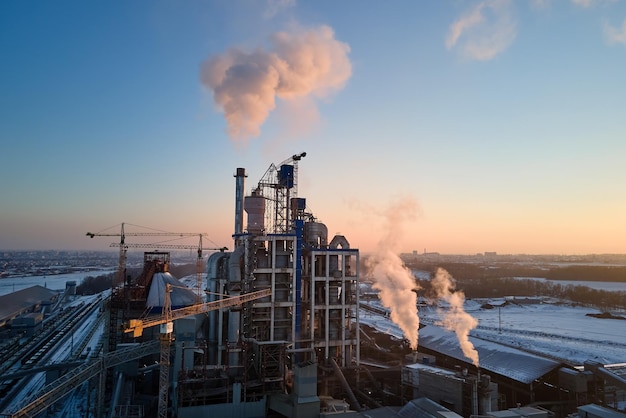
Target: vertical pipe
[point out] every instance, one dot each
(358, 304)
(214, 266)
(238, 256)
(326, 309)
(240, 177)
(298, 296)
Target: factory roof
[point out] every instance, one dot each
(424, 407)
(15, 303)
(599, 411)
(515, 364)
(421, 407)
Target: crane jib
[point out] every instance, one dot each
(136, 326)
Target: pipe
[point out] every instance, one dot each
(344, 383)
(240, 178)
(298, 295)
(212, 284)
(116, 393)
(234, 289)
(339, 240)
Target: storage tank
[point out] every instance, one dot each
(316, 234)
(254, 206)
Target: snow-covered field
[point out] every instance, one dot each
(560, 331)
(54, 282)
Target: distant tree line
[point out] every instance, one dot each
(482, 281)
(91, 285)
(588, 273)
(575, 273)
(507, 286)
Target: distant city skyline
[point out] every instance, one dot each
(459, 127)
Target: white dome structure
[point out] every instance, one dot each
(180, 295)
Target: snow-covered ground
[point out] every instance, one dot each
(54, 282)
(560, 331)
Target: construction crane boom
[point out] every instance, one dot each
(121, 272)
(169, 246)
(199, 261)
(166, 320)
(136, 326)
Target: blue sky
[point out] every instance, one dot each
(462, 126)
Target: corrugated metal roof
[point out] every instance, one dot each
(426, 408)
(593, 410)
(17, 302)
(505, 361)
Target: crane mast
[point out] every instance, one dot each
(166, 322)
(165, 340)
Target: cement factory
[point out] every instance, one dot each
(274, 329)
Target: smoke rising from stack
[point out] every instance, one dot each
(395, 283)
(301, 63)
(455, 318)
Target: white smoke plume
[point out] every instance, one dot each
(301, 63)
(455, 318)
(395, 283)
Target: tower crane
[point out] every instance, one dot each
(123, 246)
(166, 321)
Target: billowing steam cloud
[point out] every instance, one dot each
(245, 84)
(455, 318)
(395, 283)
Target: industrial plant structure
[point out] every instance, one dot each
(278, 333)
(265, 353)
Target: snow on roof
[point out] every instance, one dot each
(21, 300)
(505, 361)
(599, 411)
(180, 295)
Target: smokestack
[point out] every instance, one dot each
(240, 179)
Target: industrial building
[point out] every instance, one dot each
(507, 379)
(35, 299)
